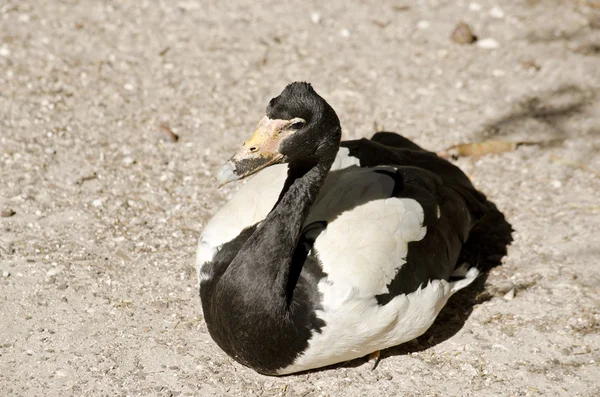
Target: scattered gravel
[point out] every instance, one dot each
(107, 207)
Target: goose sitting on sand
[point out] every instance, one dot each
(333, 251)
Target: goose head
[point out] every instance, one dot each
(299, 126)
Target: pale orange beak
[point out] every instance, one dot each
(260, 151)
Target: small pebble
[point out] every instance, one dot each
(62, 373)
(29, 352)
(462, 34)
(315, 17)
(497, 12)
(53, 272)
(488, 44)
(475, 7)
(423, 25)
(345, 33)
(5, 273)
(509, 295)
(5, 52)
(7, 213)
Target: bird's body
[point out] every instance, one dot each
(330, 260)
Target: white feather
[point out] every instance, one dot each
(367, 255)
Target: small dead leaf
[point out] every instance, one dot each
(479, 149)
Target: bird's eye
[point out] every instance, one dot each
(297, 124)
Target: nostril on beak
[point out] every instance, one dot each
(253, 149)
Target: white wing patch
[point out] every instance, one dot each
(344, 160)
(250, 205)
(367, 234)
(364, 247)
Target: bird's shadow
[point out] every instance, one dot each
(545, 116)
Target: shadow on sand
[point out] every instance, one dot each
(552, 113)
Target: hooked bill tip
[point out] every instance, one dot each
(225, 174)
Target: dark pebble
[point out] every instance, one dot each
(462, 34)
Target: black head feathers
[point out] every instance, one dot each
(298, 99)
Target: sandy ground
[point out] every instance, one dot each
(97, 291)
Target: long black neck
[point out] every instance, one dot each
(259, 273)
